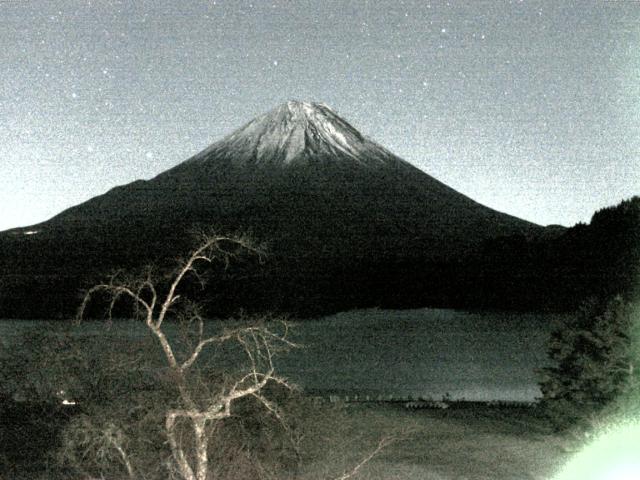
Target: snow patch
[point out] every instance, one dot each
(336, 135)
(297, 130)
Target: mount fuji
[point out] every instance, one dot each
(347, 222)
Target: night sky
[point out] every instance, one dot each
(530, 107)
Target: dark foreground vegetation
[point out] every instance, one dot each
(594, 375)
(482, 442)
(119, 392)
(29, 436)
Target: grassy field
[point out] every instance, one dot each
(465, 441)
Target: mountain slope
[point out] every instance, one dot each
(299, 162)
(337, 210)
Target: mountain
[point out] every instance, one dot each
(297, 170)
(347, 222)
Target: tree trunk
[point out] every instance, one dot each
(176, 451)
(199, 425)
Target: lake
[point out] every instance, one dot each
(425, 353)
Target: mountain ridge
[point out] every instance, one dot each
(336, 208)
(259, 153)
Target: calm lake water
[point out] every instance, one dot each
(419, 353)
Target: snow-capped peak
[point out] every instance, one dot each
(297, 132)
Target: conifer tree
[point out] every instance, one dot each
(593, 363)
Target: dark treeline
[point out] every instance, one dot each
(555, 272)
(601, 259)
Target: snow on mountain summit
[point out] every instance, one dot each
(297, 132)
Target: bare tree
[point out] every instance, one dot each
(196, 412)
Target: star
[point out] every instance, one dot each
(218, 56)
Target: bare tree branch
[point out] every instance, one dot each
(257, 342)
(382, 444)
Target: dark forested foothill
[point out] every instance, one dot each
(601, 259)
(553, 270)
